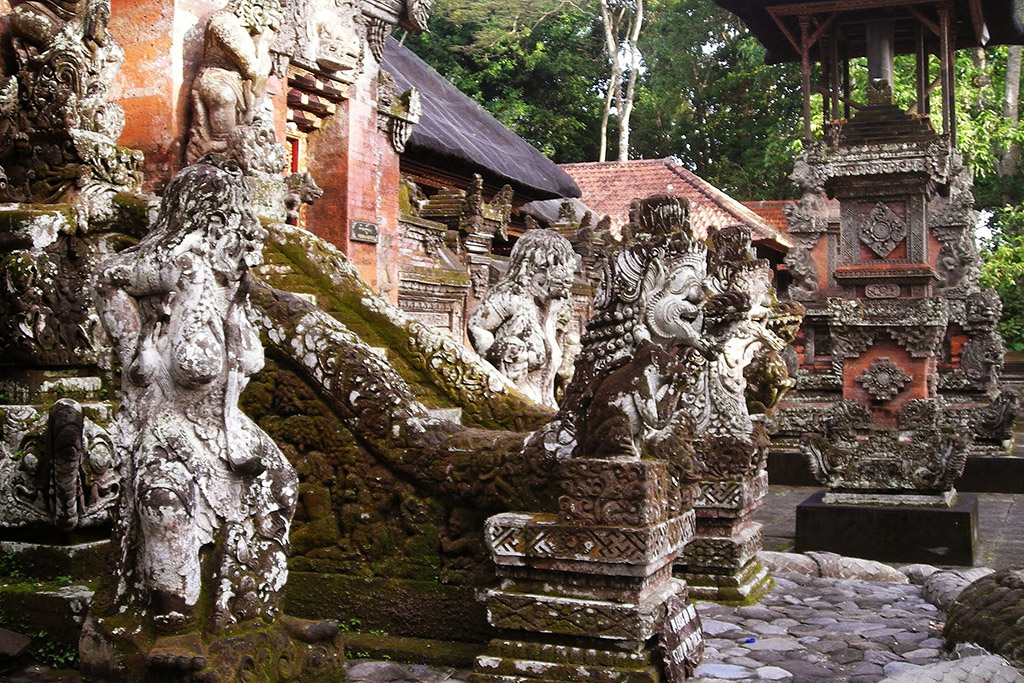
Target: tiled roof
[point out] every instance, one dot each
(609, 187)
(770, 210)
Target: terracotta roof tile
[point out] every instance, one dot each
(771, 211)
(609, 187)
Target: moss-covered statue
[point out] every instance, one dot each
(202, 528)
(521, 324)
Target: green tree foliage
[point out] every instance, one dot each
(535, 66)
(1003, 271)
(708, 98)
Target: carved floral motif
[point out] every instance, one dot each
(883, 379)
(881, 230)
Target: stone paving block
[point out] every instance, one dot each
(986, 669)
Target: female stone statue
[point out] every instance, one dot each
(519, 327)
(208, 496)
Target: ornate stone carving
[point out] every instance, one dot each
(59, 136)
(996, 420)
(194, 460)
(521, 324)
(626, 389)
(804, 271)
(883, 290)
(921, 342)
(883, 379)
(377, 32)
(919, 457)
(229, 109)
(881, 230)
(58, 470)
(208, 497)
(397, 113)
(981, 360)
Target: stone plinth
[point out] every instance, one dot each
(932, 535)
(720, 563)
(587, 591)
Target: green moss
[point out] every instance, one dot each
(414, 650)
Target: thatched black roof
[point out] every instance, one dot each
(1003, 20)
(455, 133)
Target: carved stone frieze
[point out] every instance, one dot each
(921, 342)
(883, 379)
(930, 158)
(918, 457)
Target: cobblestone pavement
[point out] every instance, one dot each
(806, 630)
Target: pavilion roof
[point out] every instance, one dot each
(456, 134)
(976, 22)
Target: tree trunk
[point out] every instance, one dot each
(611, 46)
(633, 49)
(1011, 103)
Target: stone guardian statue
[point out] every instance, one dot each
(520, 325)
(203, 522)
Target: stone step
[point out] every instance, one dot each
(13, 648)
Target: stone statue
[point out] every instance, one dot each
(229, 112)
(595, 577)
(208, 500)
(520, 325)
(59, 145)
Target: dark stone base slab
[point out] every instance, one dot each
(996, 474)
(941, 536)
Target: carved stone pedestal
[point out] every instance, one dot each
(720, 563)
(587, 598)
(933, 535)
(292, 649)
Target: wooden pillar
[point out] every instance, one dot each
(921, 62)
(946, 75)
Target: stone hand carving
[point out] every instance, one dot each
(58, 133)
(208, 497)
(58, 470)
(521, 324)
(229, 109)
